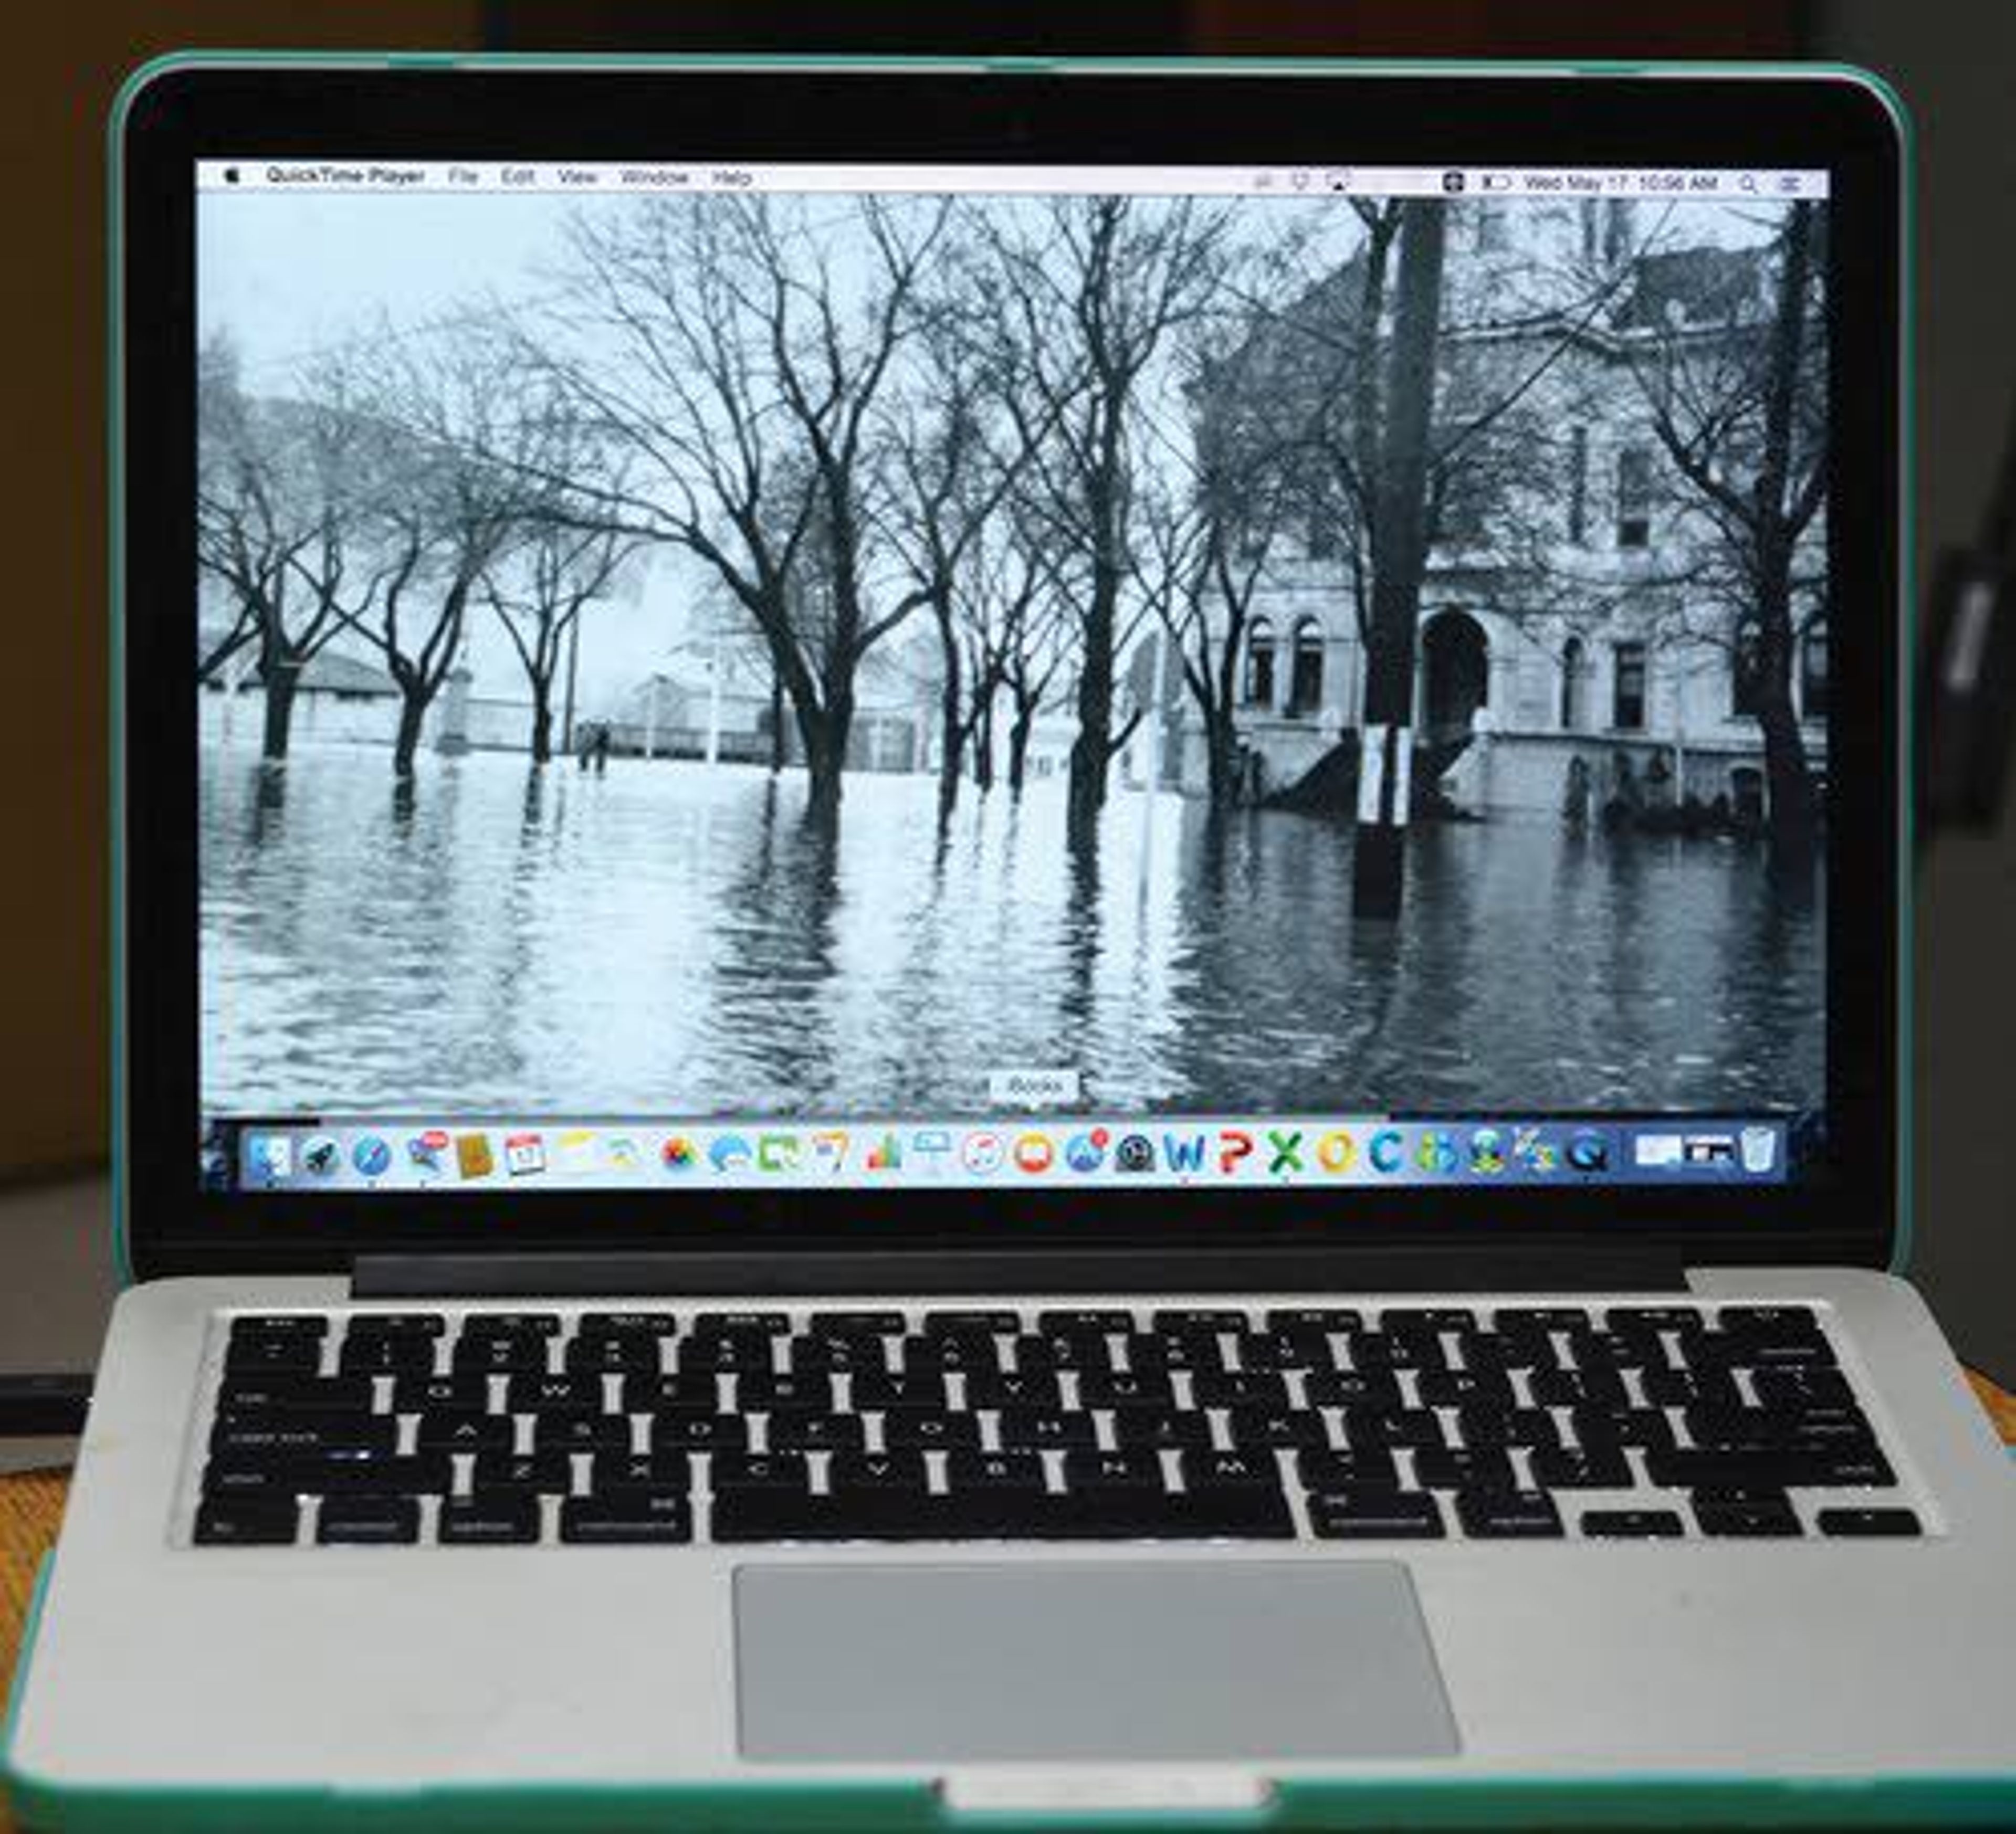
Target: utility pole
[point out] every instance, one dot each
(1399, 556)
(574, 666)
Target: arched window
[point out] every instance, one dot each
(1305, 677)
(1260, 663)
(1746, 670)
(1813, 671)
(1575, 676)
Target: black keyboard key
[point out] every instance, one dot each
(1045, 1429)
(719, 1353)
(1428, 1317)
(1284, 1350)
(1392, 1428)
(765, 1393)
(614, 1356)
(396, 1325)
(653, 1471)
(1111, 1389)
(291, 1353)
(949, 1353)
(759, 1471)
(1766, 1428)
(1729, 1349)
(280, 1435)
(581, 1432)
(629, 1325)
(1448, 1469)
(302, 1394)
(1063, 1351)
(1642, 1319)
(523, 1473)
(1505, 1426)
(694, 1430)
(1557, 1469)
(1143, 1428)
(807, 1429)
(394, 1354)
(628, 1519)
(1375, 1514)
(1615, 1350)
(1205, 1471)
(1574, 1388)
(1800, 1387)
(1762, 1516)
(874, 1393)
(1615, 1427)
(1001, 1513)
(871, 1324)
(1239, 1389)
(983, 1470)
(489, 1519)
(1632, 1524)
(1319, 1318)
(741, 1324)
(342, 1474)
(416, 1394)
(839, 1356)
(1296, 1428)
(1171, 1350)
(1505, 1351)
(1084, 1320)
(1347, 1471)
(1497, 1514)
(1528, 1318)
(1102, 1470)
(554, 1394)
(246, 1522)
(1371, 1350)
(850, 1473)
(1454, 1388)
(461, 1429)
(499, 1356)
(510, 1324)
(368, 1521)
(652, 1394)
(1772, 1469)
(1690, 1388)
(1007, 1389)
(1774, 1321)
(1869, 1522)
(1209, 1320)
(930, 1429)
(1372, 1389)
(279, 1324)
(997, 1323)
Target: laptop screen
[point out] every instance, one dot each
(729, 676)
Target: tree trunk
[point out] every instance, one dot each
(951, 731)
(1019, 729)
(823, 732)
(1398, 556)
(983, 744)
(412, 716)
(543, 720)
(1091, 750)
(1793, 810)
(777, 722)
(1220, 738)
(283, 681)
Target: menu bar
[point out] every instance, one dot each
(1364, 1151)
(689, 177)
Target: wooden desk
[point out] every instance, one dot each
(31, 1508)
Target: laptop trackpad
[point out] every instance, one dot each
(1086, 1661)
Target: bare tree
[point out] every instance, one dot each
(748, 370)
(1091, 291)
(1737, 410)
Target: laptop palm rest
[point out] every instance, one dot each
(1086, 1661)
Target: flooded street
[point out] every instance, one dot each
(671, 939)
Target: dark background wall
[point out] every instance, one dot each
(1955, 61)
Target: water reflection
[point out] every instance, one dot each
(671, 939)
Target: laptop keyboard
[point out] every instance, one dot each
(1077, 1423)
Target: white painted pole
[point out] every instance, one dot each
(714, 703)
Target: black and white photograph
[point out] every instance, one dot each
(818, 653)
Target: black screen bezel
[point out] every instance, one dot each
(500, 108)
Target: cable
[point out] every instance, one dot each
(47, 1404)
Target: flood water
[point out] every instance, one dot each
(671, 939)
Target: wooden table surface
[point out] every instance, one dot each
(31, 1508)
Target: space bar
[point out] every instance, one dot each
(798, 1516)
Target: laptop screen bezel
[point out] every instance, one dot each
(1076, 113)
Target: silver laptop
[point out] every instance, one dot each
(1013, 942)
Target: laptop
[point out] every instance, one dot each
(1025, 943)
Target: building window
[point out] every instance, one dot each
(1490, 219)
(1813, 671)
(1627, 689)
(1305, 677)
(1634, 497)
(1321, 544)
(1746, 670)
(1577, 483)
(1574, 675)
(1260, 664)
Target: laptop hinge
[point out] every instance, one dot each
(820, 1273)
